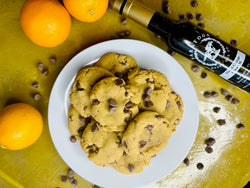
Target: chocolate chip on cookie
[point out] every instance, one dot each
(78, 87)
(95, 102)
(131, 167)
(119, 82)
(142, 143)
(112, 102)
(94, 128)
(129, 104)
(80, 130)
(168, 105)
(149, 103)
(112, 109)
(149, 127)
(148, 91)
(145, 97)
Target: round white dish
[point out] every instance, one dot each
(147, 56)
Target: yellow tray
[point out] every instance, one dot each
(41, 166)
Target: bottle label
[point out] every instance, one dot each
(235, 66)
(213, 49)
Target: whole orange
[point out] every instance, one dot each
(20, 126)
(45, 22)
(86, 10)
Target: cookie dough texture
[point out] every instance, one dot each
(121, 114)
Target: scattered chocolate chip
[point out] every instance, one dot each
(129, 104)
(186, 161)
(235, 101)
(95, 186)
(142, 143)
(52, 59)
(182, 17)
(45, 72)
(34, 84)
(149, 103)
(168, 105)
(224, 92)
(148, 91)
(94, 128)
(70, 173)
(123, 34)
(64, 179)
(202, 25)
(119, 82)
(165, 7)
(145, 97)
(112, 102)
(71, 179)
(74, 183)
(124, 21)
(37, 96)
(194, 3)
(131, 167)
(199, 17)
(210, 141)
(234, 42)
(178, 104)
(200, 166)
(203, 75)
(112, 109)
(72, 139)
(208, 149)
(171, 52)
(40, 66)
(80, 130)
(229, 98)
(240, 126)
(95, 102)
(149, 127)
(216, 109)
(207, 94)
(190, 16)
(214, 94)
(221, 121)
(195, 68)
(159, 116)
(124, 144)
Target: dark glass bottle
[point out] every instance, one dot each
(193, 42)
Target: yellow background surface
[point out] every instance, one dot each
(41, 166)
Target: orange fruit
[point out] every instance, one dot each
(45, 22)
(86, 10)
(20, 126)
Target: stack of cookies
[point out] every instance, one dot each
(121, 114)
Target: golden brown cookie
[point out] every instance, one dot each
(112, 104)
(147, 134)
(84, 81)
(103, 147)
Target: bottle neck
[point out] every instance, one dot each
(134, 10)
(145, 16)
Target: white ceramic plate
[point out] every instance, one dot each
(149, 57)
